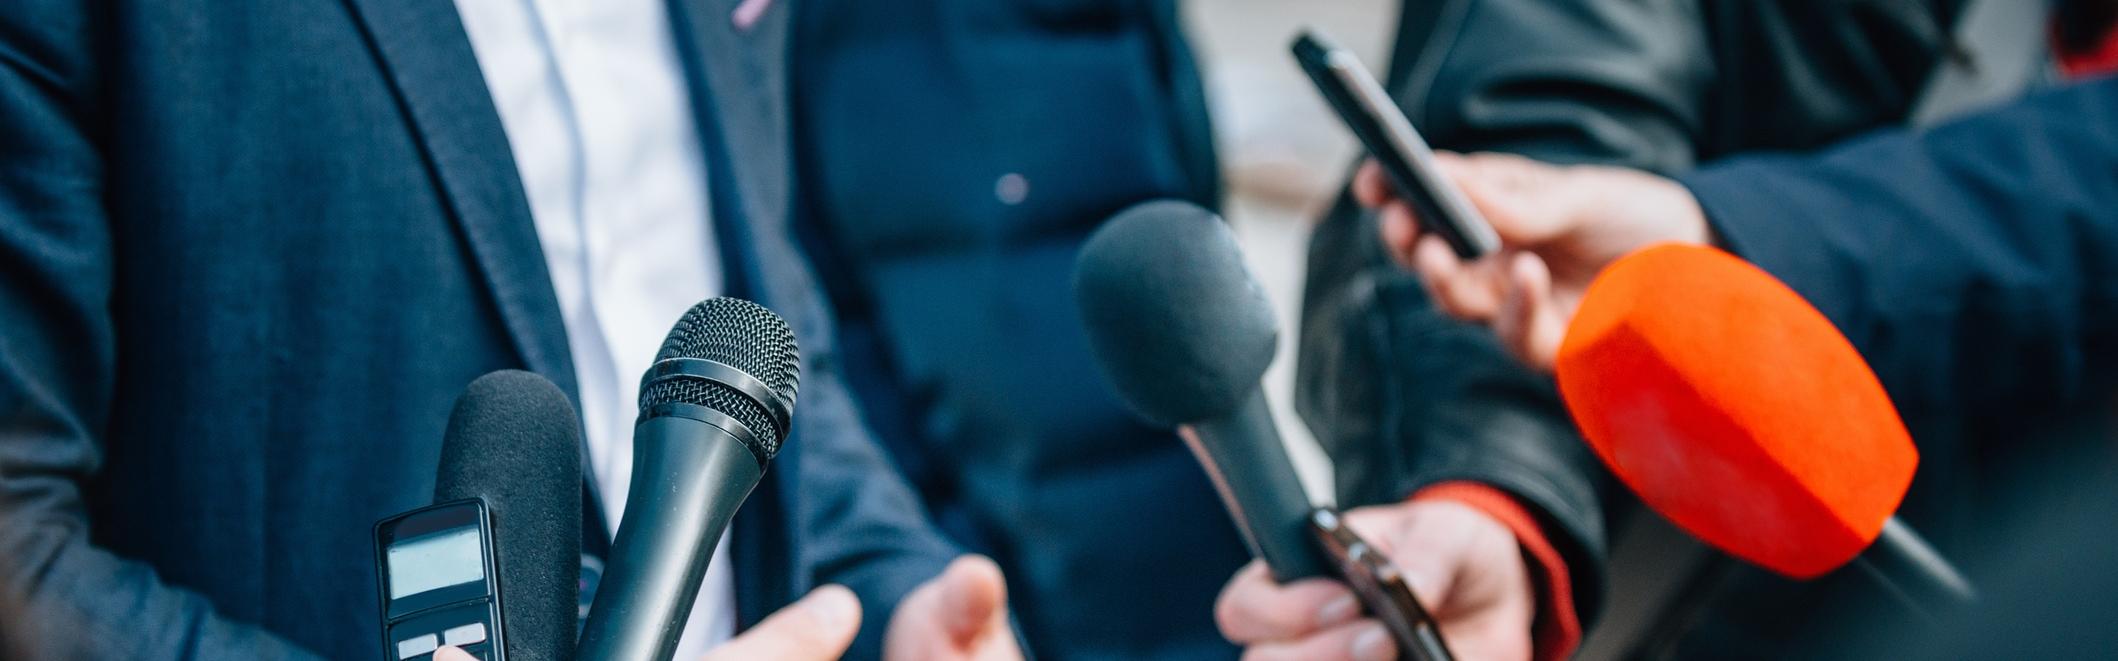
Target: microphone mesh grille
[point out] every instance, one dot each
(742, 335)
(721, 398)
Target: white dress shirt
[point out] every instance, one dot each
(592, 96)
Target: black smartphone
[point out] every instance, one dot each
(1381, 127)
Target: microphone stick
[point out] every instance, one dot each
(714, 409)
(1184, 335)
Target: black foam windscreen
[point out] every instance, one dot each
(1180, 327)
(514, 440)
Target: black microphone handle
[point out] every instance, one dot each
(1271, 510)
(1919, 575)
(689, 478)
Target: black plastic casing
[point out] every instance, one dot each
(1382, 128)
(438, 610)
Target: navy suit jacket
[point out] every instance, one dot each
(250, 253)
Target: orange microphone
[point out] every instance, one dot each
(1737, 411)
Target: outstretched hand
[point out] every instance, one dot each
(1463, 565)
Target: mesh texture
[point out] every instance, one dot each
(721, 398)
(739, 334)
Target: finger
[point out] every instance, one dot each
(1254, 608)
(819, 627)
(1536, 325)
(1370, 187)
(1517, 306)
(1524, 200)
(1360, 640)
(1399, 231)
(451, 653)
(1426, 560)
(973, 597)
(1459, 288)
(1489, 638)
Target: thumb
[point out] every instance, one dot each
(817, 628)
(973, 597)
(1426, 562)
(452, 653)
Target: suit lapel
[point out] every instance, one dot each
(739, 89)
(435, 73)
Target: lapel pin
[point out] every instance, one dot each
(748, 12)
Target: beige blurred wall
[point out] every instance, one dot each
(1283, 155)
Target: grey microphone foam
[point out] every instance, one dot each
(1184, 334)
(1182, 330)
(514, 441)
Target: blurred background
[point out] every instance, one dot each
(1283, 156)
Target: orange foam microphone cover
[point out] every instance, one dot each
(1734, 408)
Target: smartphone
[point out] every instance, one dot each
(1381, 588)
(1405, 158)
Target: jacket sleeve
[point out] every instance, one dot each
(60, 595)
(1972, 264)
(1606, 81)
(1404, 397)
(864, 527)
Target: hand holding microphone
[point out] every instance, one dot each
(1559, 226)
(1466, 567)
(715, 409)
(1184, 333)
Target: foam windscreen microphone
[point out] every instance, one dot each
(1184, 334)
(1737, 411)
(514, 441)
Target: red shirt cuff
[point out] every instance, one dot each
(1557, 629)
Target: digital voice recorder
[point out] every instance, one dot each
(439, 583)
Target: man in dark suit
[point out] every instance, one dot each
(248, 256)
(955, 155)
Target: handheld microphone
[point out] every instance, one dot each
(1739, 412)
(714, 408)
(1184, 334)
(515, 441)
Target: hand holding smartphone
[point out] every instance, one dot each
(1383, 129)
